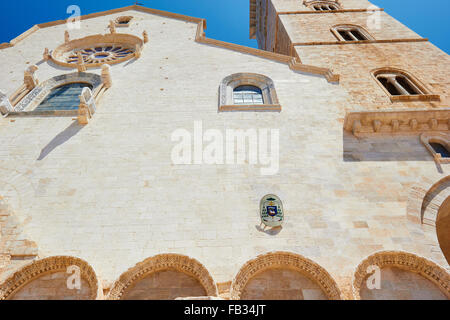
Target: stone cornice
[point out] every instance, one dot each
(389, 122)
(322, 43)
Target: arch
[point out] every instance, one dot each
(405, 261)
(265, 84)
(425, 198)
(50, 265)
(287, 260)
(443, 228)
(350, 27)
(164, 262)
(41, 91)
(441, 138)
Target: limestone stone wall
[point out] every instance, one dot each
(52, 286)
(398, 284)
(165, 285)
(282, 284)
(109, 193)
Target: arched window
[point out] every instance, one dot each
(324, 6)
(441, 149)
(398, 84)
(401, 86)
(65, 97)
(351, 33)
(438, 144)
(248, 92)
(247, 95)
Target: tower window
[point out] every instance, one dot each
(65, 97)
(247, 95)
(351, 33)
(398, 84)
(324, 6)
(439, 148)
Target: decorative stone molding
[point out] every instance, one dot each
(145, 36)
(5, 104)
(403, 260)
(123, 21)
(439, 137)
(106, 76)
(46, 54)
(362, 123)
(425, 95)
(162, 262)
(252, 79)
(285, 260)
(97, 50)
(39, 268)
(112, 27)
(425, 198)
(38, 94)
(87, 106)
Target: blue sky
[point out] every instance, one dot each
(228, 20)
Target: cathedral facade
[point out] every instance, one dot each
(140, 159)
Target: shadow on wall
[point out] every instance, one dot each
(61, 138)
(384, 148)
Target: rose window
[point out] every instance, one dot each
(97, 50)
(101, 54)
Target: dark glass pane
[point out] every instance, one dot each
(439, 148)
(65, 97)
(406, 85)
(358, 35)
(345, 35)
(247, 95)
(389, 86)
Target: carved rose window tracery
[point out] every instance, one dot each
(100, 54)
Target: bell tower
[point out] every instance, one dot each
(383, 65)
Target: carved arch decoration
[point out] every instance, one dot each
(289, 260)
(402, 260)
(163, 262)
(45, 266)
(40, 92)
(425, 198)
(262, 82)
